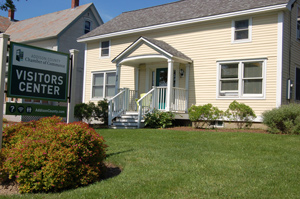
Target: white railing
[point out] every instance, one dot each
(145, 104)
(132, 95)
(156, 98)
(116, 106)
(179, 101)
(161, 98)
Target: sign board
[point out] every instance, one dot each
(37, 73)
(35, 110)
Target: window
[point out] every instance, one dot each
(298, 24)
(241, 79)
(104, 48)
(241, 30)
(104, 84)
(87, 27)
(297, 94)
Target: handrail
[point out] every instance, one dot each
(116, 106)
(122, 91)
(147, 105)
(145, 95)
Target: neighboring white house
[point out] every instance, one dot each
(57, 31)
(213, 51)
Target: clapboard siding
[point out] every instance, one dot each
(205, 43)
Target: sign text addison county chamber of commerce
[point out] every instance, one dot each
(37, 73)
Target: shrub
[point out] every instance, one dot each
(159, 119)
(285, 119)
(84, 111)
(48, 155)
(101, 111)
(90, 110)
(205, 113)
(241, 113)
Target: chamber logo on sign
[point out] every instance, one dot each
(19, 55)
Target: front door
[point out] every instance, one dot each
(162, 80)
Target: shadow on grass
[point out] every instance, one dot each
(117, 153)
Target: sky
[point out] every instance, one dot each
(107, 9)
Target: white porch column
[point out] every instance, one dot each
(118, 72)
(147, 79)
(169, 97)
(136, 88)
(187, 79)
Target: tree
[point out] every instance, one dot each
(8, 4)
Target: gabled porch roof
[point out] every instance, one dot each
(163, 49)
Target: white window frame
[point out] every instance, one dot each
(249, 39)
(100, 52)
(104, 84)
(240, 91)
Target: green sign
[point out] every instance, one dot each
(35, 110)
(37, 73)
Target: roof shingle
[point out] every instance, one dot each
(177, 11)
(45, 26)
(4, 23)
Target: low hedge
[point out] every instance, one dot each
(49, 155)
(285, 119)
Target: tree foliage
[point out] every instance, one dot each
(8, 4)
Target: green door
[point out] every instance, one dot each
(162, 80)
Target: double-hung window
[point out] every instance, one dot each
(104, 49)
(241, 79)
(103, 84)
(242, 30)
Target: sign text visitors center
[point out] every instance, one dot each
(37, 73)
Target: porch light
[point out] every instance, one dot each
(181, 72)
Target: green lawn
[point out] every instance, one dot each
(177, 164)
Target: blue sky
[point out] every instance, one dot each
(107, 9)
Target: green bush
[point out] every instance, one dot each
(159, 119)
(84, 111)
(285, 119)
(101, 111)
(90, 110)
(240, 113)
(206, 113)
(48, 155)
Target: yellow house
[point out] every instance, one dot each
(172, 56)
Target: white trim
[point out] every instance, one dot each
(142, 57)
(249, 39)
(84, 74)
(104, 84)
(136, 45)
(240, 91)
(185, 22)
(100, 49)
(279, 58)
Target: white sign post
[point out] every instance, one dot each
(3, 55)
(71, 103)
